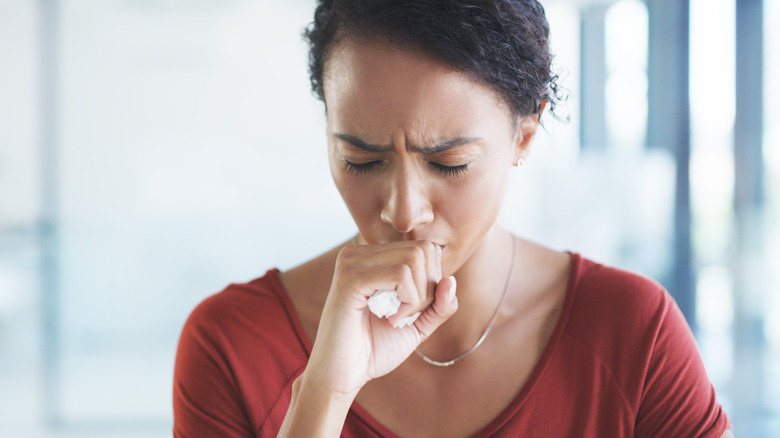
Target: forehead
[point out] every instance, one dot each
(367, 81)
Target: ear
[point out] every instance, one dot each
(525, 133)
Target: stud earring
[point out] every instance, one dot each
(520, 161)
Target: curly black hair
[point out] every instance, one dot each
(503, 44)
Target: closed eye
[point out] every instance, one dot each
(450, 170)
(362, 168)
(359, 168)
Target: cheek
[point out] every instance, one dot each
(358, 197)
(477, 199)
(470, 210)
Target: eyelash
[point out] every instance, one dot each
(361, 168)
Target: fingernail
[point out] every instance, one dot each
(453, 286)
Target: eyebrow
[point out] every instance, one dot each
(439, 147)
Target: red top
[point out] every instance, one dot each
(621, 362)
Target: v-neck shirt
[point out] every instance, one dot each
(621, 362)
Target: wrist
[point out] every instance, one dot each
(318, 389)
(314, 410)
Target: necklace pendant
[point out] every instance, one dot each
(435, 362)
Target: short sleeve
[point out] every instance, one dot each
(206, 401)
(678, 398)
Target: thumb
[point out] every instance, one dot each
(445, 303)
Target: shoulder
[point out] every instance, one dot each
(614, 321)
(629, 326)
(247, 323)
(237, 353)
(612, 282)
(607, 297)
(240, 307)
(618, 314)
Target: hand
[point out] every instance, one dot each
(354, 346)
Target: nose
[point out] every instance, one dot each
(407, 204)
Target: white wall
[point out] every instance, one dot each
(192, 154)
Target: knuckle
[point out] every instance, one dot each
(348, 251)
(341, 263)
(344, 251)
(349, 255)
(414, 298)
(416, 255)
(403, 271)
(341, 259)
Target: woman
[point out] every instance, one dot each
(429, 104)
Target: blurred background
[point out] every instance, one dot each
(153, 151)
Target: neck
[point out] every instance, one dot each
(481, 281)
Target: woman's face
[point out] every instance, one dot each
(417, 150)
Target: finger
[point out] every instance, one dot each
(423, 259)
(397, 277)
(444, 306)
(366, 281)
(420, 256)
(364, 247)
(432, 272)
(438, 262)
(432, 267)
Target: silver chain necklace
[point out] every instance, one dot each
(489, 326)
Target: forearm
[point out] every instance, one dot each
(315, 412)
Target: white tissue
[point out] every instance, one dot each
(384, 303)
